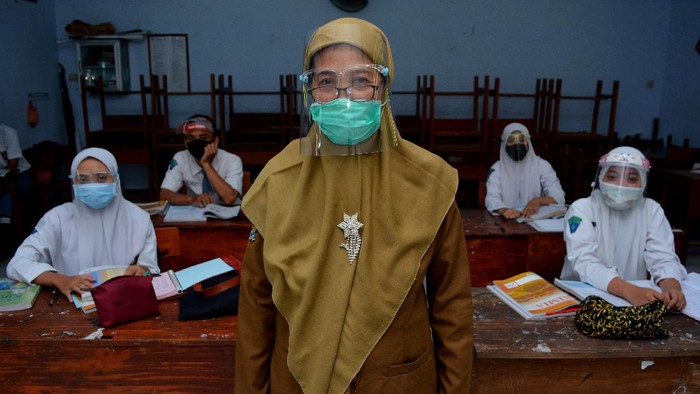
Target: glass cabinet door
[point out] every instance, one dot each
(105, 60)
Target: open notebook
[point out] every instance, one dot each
(171, 283)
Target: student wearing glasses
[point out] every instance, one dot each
(356, 276)
(209, 175)
(99, 227)
(617, 235)
(520, 182)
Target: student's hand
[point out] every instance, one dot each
(509, 213)
(78, 283)
(209, 153)
(137, 270)
(672, 294)
(202, 200)
(532, 207)
(636, 295)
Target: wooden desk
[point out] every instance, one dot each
(516, 355)
(44, 350)
(500, 248)
(207, 240)
(680, 198)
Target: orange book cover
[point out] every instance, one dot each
(534, 297)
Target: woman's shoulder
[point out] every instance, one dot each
(427, 161)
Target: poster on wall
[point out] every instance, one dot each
(168, 56)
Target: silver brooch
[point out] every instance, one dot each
(351, 226)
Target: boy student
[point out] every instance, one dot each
(209, 175)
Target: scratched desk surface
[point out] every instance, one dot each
(58, 349)
(499, 332)
(515, 355)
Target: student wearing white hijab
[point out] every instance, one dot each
(98, 228)
(617, 235)
(520, 182)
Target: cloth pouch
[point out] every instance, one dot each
(125, 299)
(214, 297)
(598, 318)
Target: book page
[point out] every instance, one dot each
(548, 225)
(164, 285)
(189, 276)
(545, 212)
(582, 290)
(184, 213)
(221, 212)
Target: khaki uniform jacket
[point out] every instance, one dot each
(407, 358)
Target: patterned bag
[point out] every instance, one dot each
(598, 318)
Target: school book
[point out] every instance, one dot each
(155, 207)
(557, 225)
(690, 286)
(15, 295)
(552, 211)
(189, 213)
(99, 274)
(171, 283)
(533, 297)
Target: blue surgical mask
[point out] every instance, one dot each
(347, 122)
(95, 195)
(620, 197)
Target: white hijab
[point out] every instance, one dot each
(520, 180)
(621, 233)
(113, 235)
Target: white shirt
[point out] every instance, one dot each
(184, 170)
(584, 235)
(73, 237)
(549, 186)
(10, 148)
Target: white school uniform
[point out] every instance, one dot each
(184, 170)
(603, 243)
(10, 149)
(537, 178)
(73, 237)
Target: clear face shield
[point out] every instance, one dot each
(517, 145)
(344, 95)
(622, 184)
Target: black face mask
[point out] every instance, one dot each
(196, 148)
(516, 152)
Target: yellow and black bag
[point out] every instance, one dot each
(598, 318)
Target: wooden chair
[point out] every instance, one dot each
(456, 134)
(126, 136)
(586, 137)
(537, 123)
(255, 130)
(246, 182)
(50, 169)
(413, 126)
(168, 239)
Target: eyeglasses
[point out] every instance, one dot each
(361, 82)
(97, 177)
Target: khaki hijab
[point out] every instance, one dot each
(338, 311)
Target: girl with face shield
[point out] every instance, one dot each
(350, 221)
(520, 182)
(98, 228)
(617, 235)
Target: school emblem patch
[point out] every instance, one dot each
(173, 164)
(491, 170)
(574, 221)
